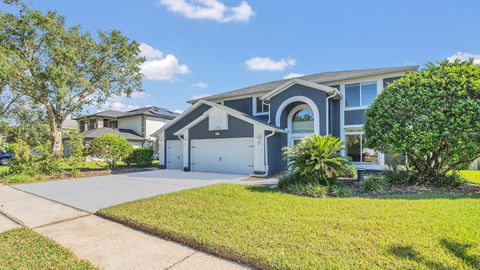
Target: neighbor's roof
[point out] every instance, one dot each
(149, 111)
(125, 133)
(324, 77)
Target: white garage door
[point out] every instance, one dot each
(223, 155)
(174, 154)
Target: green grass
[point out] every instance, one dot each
(25, 249)
(471, 176)
(272, 230)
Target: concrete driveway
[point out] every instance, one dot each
(93, 193)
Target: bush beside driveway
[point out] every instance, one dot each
(272, 230)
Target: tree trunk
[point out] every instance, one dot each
(56, 137)
(55, 132)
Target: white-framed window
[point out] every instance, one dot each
(360, 95)
(259, 107)
(355, 147)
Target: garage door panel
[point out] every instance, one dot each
(222, 155)
(174, 154)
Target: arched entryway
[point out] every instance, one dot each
(300, 123)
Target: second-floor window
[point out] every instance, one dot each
(260, 107)
(360, 94)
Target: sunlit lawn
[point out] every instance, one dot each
(471, 176)
(25, 249)
(272, 230)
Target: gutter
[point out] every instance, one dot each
(265, 174)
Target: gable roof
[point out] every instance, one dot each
(323, 78)
(148, 111)
(285, 86)
(125, 133)
(243, 116)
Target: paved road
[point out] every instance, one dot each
(94, 193)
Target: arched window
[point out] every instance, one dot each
(302, 121)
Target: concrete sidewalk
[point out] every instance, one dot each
(104, 243)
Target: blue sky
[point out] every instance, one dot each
(198, 47)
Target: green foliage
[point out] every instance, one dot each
(317, 159)
(23, 162)
(25, 249)
(23, 179)
(374, 182)
(431, 117)
(288, 179)
(308, 190)
(339, 191)
(142, 157)
(111, 148)
(66, 68)
(77, 150)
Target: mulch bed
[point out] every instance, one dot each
(100, 172)
(356, 188)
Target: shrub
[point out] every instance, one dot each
(452, 180)
(287, 180)
(317, 159)
(77, 153)
(23, 162)
(398, 178)
(431, 117)
(142, 157)
(308, 190)
(111, 148)
(339, 191)
(373, 182)
(23, 178)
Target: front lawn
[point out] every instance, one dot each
(25, 249)
(272, 230)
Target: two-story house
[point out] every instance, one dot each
(243, 131)
(136, 125)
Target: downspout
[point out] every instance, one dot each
(328, 113)
(265, 174)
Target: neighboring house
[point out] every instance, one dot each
(136, 126)
(243, 131)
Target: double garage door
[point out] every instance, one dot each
(233, 155)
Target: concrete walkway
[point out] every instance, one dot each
(107, 244)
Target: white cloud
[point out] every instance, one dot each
(210, 9)
(200, 85)
(178, 111)
(293, 75)
(159, 67)
(465, 56)
(199, 96)
(268, 64)
(117, 106)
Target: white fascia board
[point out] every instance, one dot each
(240, 115)
(176, 119)
(193, 123)
(283, 87)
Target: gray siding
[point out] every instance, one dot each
(236, 129)
(275, 158)
(180, 124)
(354, 117)
(243, 105)
(318, 97)
(334, 115)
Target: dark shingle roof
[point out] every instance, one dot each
(149, 111)
(125, 133)
(324, 77)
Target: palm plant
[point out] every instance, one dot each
(317, 159)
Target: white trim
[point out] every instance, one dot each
(161, 149)
(342, 119)
(176, 119)
(360, 83)
(316, 113)
(254, 106)
(295, 136)
(193, 123)
(258, 149)
(283, 87)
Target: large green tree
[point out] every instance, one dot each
(63, 68)
(431, 116)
